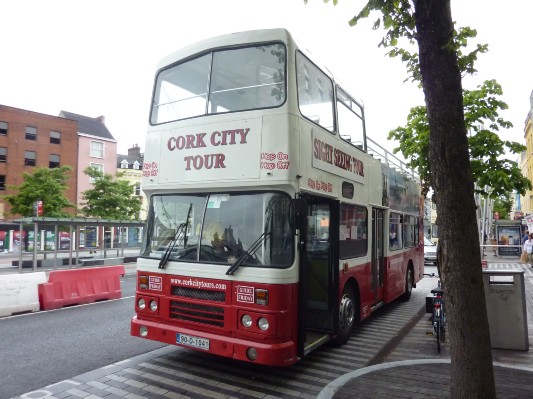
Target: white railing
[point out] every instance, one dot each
(387, 157)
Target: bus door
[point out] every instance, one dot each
(319, 273)
(378, 260)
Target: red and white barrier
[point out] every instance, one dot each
(19, 292)
(80, 286)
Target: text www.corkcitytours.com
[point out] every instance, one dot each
(197, 283)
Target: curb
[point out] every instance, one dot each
(334, 386)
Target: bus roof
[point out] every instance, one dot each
(243, 38)
(229, 39)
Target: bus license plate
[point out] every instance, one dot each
(195, 342)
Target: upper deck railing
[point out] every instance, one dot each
(388, 158)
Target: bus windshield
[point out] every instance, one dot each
(221, 81)
(221, 228)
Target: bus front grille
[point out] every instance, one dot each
(204, 314)
(194, 293)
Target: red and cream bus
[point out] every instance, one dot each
(273, 227)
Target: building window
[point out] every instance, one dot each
(3, 154)
(55, 137)
(53, 161)
(124, 164)
(31, 133)
(2, 182)
(434, 231)
(29, 158)
(97, 166)
(97, 149)
(3, 128)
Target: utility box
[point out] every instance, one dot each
(506, 309)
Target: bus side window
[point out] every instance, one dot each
(395, 231)
(315, 93)
(353, 231)
(350, 120)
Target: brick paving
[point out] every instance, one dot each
(414, 368)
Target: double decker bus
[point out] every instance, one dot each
(274, 224)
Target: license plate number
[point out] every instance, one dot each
(195, 342)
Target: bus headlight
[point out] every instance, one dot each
(246, 320)
(262, 323)
(153, 305)
(141, 303)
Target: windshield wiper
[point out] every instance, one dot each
(179, 237)
(172, 244)
(248, 253)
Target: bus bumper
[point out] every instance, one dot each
(277, 354)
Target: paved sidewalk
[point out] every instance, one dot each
(414, 369)
(428, 378)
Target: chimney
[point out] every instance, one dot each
(101, 119)
(134, 151)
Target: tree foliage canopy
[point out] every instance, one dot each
(398, 20)
(490, 168)
(43, 184)
(482, 106)
(110, 198)
(503, 205)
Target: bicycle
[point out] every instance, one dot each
(438, 311)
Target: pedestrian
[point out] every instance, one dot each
(494, 245)
(524, 256)
(525, 237)
(528, 248)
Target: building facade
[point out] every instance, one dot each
(96, 147)
(29, 140)
(526, 162)
(131, 165)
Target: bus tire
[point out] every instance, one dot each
(408, 284)
(348, 311)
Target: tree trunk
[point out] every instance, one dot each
(472, 374)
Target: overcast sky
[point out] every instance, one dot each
(98, 57)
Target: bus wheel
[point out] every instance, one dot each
(347, 314)
(408, 284)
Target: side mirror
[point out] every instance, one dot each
(299, 207)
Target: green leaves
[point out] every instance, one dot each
(398, 20)
(46, 185)
(482, 106)
(414, 144)
(487, 150)
(503, 205)
(466, 59)
(110, 198)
